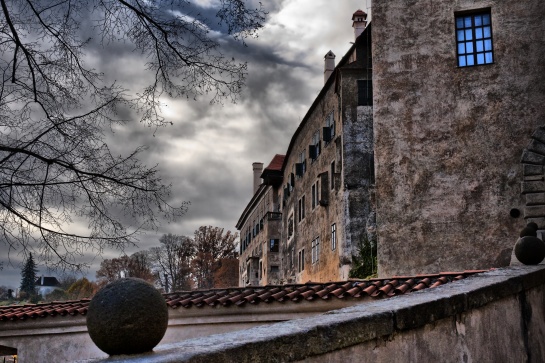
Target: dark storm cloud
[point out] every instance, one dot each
(206, 154)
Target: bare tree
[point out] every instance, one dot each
(55, 166)
(172, 262)
(212, 247)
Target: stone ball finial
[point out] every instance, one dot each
(530, 250)
(529, 230)
(127, 316)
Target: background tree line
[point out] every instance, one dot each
(206, 260)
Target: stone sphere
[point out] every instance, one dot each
(528, 231)
(128, 316)
(530, 250)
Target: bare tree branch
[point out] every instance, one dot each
(56, 169)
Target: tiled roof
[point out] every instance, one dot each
(241, 296)
(33, 311)
(47, 281)
(359, 12)
(276, 163)
(312, 291)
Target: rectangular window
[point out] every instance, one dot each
(301, 209)
(314, 147)
(260, 270)
(315, 245)
(315, 194)
(330, 123)
(290, 226)
(275, 245)
(365, 92)
(301, 166)
(333, 175)
(317, 202)
(301, 260)
(333, 237)
(474, 39)
(292, 257)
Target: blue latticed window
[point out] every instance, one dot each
(474, 39)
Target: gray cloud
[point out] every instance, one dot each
(207, 154)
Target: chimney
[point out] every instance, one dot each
(258, 169)
(329, 65)
(359, 22)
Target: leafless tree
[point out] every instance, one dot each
(55, 111)
(172, 262)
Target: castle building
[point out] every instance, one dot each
(313, 206)
(459, 131)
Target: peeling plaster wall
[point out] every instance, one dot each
(449, 140)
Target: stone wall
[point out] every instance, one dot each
(449, 139)
(65, 338)
(497, 316)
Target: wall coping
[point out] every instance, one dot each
(338, 329)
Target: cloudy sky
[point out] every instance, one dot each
(207, 154)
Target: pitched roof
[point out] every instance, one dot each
(359, 290)
(359, 12)
(48, 281)
(276, 163)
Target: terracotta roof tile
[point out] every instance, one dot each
(276, 163)
(359, 12)
(241, 296)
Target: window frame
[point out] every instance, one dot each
(315, 194)
(303, 163)
(274, 245)
(476, 30)
(315, 250)
(301, 209)
(330, 124)
(333, 174)
(333, 236)
(315, 145)
(291, 225)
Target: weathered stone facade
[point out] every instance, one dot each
(260, 234)
(449, 139)
(322, 190)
